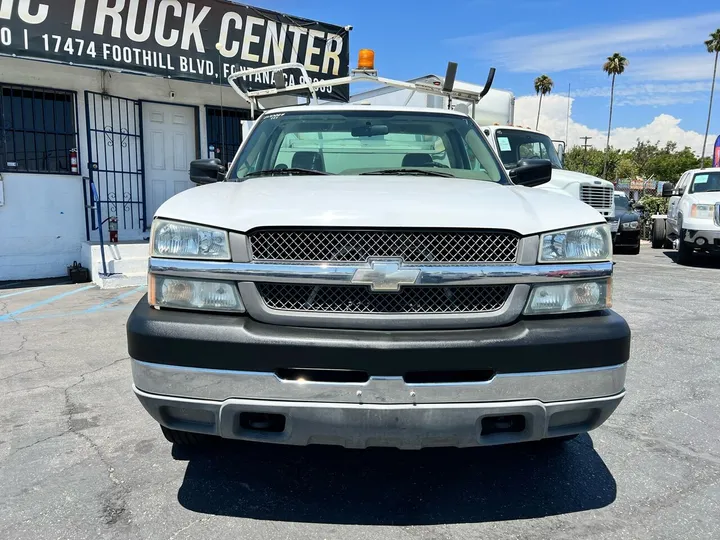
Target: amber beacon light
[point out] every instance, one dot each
(366, 59)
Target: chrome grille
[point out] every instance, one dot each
(432, 247)
(716, 215)
(597, 196)
(360, 299)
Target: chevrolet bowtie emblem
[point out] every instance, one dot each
(386, 276)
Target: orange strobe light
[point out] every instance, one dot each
(366, 59)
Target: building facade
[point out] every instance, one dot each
(69, 130)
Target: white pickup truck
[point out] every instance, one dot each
(345, 283)
(495, 114)
(692, 223)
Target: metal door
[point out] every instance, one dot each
(115, 146)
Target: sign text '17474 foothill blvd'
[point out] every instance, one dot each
(202, 41)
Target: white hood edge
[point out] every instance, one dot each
(376, 202)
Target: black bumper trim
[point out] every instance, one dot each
(239, 343)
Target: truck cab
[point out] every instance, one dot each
(514, 144)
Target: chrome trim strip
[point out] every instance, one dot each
(218, 385)
(259, 311)
(336, 274)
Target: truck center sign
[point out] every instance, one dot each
(201, 41)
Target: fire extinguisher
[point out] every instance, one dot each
(74, 161)
(113, 228)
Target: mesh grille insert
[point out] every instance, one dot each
(361, 299)
(358, 246)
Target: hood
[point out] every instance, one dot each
(709, 197)
(376, 201)
(562, 178)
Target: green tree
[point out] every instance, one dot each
(713, 46)
(614, 66)
(669, 163)
(543, 86)
(589, 161)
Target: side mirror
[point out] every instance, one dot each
(639, 207)
(667, 190)
(207, 171)
(531, 172)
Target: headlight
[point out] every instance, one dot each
(195, 294)
(702, 211)
(570, 298)
(586, 244)
(631, 226)
(184, 241)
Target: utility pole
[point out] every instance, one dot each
(585, 146)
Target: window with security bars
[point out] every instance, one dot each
(38, 130)
(224, 132)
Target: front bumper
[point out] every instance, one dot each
(706, 240)
(210, 373)
(626, 238)
(362, 425)
(231, 342)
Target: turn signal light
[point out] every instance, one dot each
(366, 59)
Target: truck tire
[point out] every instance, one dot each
(658, 233)
(185, 438)
(685, 252)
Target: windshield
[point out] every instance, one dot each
(704, 182)
(362, 142)
(514, 145)
(622, 202)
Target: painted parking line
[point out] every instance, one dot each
(24, 292)
(69, 314)
(112, 301)
(13, 314)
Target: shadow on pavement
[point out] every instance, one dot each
(24, 284)
(393, 487)
(699, 260)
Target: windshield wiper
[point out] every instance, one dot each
(409, 172)
(286, 172)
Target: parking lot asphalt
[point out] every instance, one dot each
(80, 458)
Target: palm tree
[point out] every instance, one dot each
(543, 85)
(614, 66)
(713, 46)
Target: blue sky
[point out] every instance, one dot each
(668, 77)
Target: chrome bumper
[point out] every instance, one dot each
(221, 385)
(382, 412)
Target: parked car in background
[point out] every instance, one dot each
(692, 223)
(626, 223)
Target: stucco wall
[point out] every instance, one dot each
(42, 220)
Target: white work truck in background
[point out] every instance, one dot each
(692, 224)
(495, 114)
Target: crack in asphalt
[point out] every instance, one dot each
(36, 358)
(664, 445)
(24, 340)
(114, 505)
